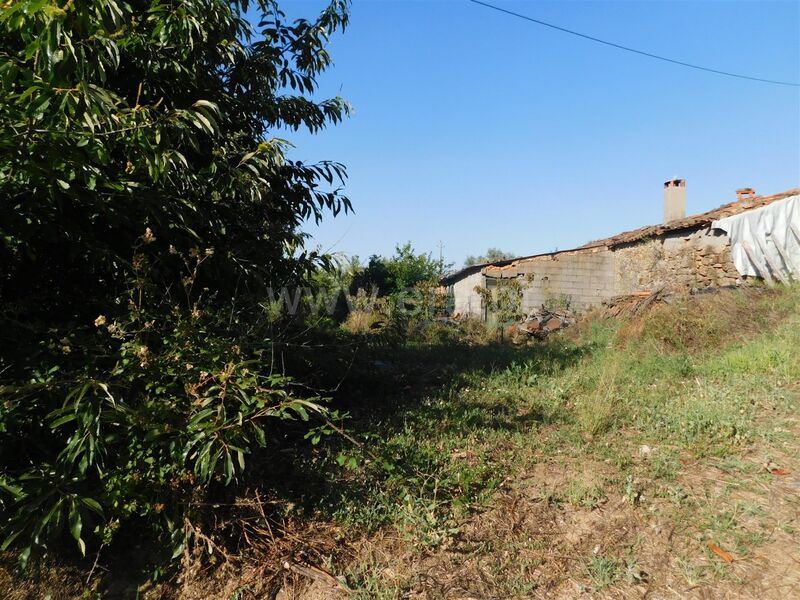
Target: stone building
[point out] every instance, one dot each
(680, 253)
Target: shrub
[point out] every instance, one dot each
(144, 213)
(135, 419)
(360, 321)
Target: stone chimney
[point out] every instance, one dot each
(674, 200)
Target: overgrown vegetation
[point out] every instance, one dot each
(503, 301)
(147, 219)
(607, 457)
(145, 210)
(393, 296)
(398, 273)
(634, 404)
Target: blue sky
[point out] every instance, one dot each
(477, 129)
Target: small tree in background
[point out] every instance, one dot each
(503, 301)
(492, 255)
(398, 273)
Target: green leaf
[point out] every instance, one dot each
(64, 419)
(260, 436)
(178, 550)
(92, 505)
(75, 522)
(229, 472)
(206, 104)
(205, 124)
(24, 556)
(10, 539)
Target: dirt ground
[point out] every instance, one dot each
(570, 513)
(533, 544)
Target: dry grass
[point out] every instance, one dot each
(597, 464)
(360, 322)
(709, 321)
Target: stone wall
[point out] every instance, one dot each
(700, 258)
(586, 277)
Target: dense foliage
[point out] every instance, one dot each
(400, 272)
(144, 210)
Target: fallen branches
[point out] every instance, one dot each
(634, 304)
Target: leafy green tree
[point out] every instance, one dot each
(374, 275)
(117, 117)
(404, 270)
(407, 268)
(145, 207)
(492, 255)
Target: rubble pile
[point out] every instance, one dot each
(544, 321)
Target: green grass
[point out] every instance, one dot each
(579, 493)
(450, 427)
(603, 571)
(452, 423)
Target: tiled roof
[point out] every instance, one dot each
(706, 218)
(627, 237)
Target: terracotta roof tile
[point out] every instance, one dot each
(706, 218)
(627, 237)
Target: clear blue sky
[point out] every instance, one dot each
(479, 129)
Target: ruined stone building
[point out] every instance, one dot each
(755, 236)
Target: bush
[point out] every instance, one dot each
(144, 214)
(398, 274)
(136, 418)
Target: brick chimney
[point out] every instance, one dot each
(674, 200)
(745, 194)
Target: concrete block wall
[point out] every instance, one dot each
(587, 277)
(583, 277)
(467, 301)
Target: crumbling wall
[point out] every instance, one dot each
(579, 278)
(679, 260)
(584, 278)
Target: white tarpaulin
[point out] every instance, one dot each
(765, 241)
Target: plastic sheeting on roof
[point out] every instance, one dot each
(765, 242)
